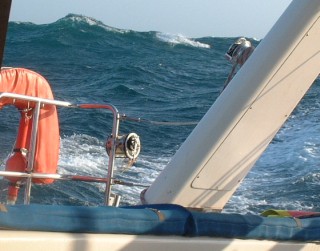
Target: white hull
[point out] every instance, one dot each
(40, 241)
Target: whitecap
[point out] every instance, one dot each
(180, 39)
(94, 22)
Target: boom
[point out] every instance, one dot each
(215, 158)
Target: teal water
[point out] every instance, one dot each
(156, 77)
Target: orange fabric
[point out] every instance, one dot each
(26, 82)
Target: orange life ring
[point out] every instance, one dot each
(26, 82)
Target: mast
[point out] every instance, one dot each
(5, 6)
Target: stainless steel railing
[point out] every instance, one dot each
(29, 174)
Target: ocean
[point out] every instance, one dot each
(169, 81)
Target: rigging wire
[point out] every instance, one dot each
(171, 123)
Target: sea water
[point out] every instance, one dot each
(156, 77)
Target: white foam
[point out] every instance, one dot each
(93, 22)
(180, 39)
(82, 154)
(85, 155)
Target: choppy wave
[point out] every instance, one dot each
(81, 19)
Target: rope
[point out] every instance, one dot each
(140, 120)
(124, 183)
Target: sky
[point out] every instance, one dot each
(191, 18)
